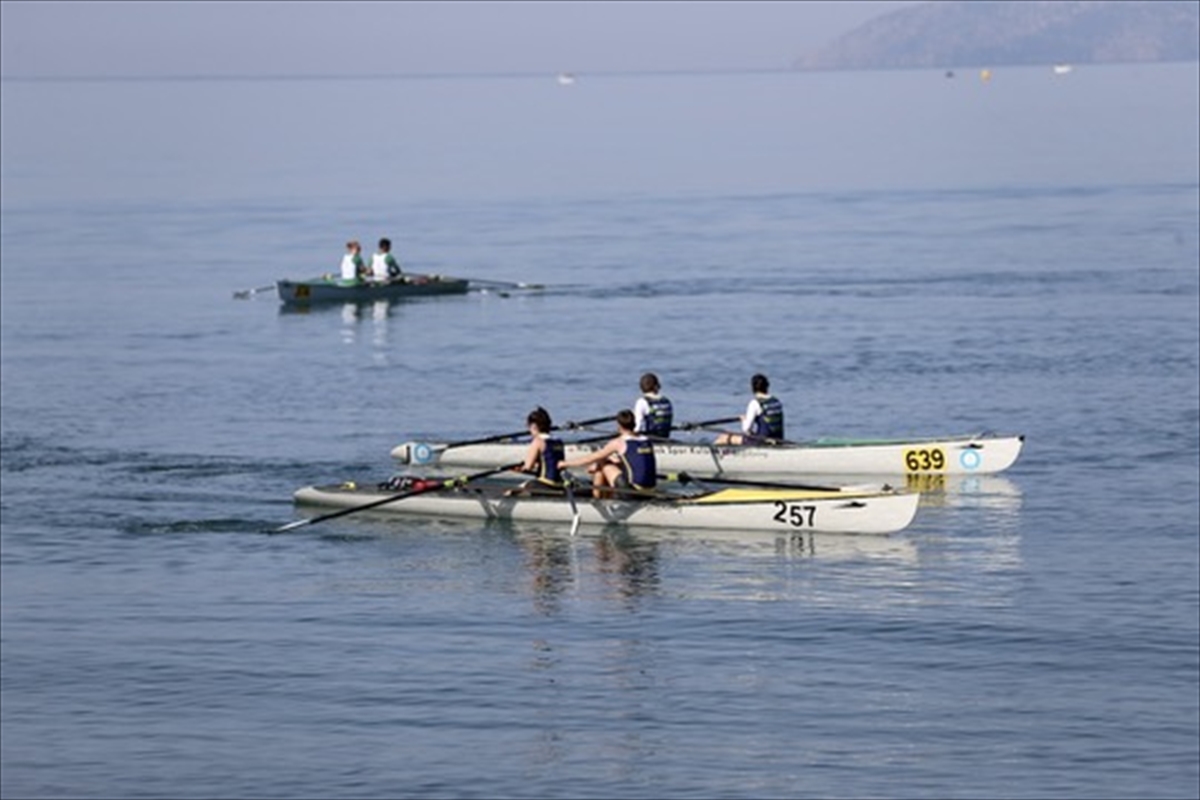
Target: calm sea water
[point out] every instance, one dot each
(901, 253)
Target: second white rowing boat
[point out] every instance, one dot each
(980, 454)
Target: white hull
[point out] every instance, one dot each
(869, 512)
(961, 455)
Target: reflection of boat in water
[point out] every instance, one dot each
(789, 545)
(350, 311)
(966, 491)
(731, 543)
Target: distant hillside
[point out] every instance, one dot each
(982, 33)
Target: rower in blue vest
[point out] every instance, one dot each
(544, 456)
(763, 421)
(652, 413)
(625, 462)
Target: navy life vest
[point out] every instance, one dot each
(549, 471)
(658, 422)
(638, 463)
(769, 424)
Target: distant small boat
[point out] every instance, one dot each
(1062, 69)
(565, 79)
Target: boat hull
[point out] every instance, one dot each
(858, 512)
(334, 290)
(957, 455)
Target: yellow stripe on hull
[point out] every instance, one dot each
(771, 495)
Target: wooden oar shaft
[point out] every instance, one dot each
(428, 487)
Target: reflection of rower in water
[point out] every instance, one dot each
(633, 563)
(626, 462)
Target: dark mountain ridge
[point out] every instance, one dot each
(963, 33)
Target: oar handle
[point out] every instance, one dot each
(460, 480)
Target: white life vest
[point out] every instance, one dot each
(379, 269)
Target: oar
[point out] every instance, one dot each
(429, 486)
(691, 426)
(506, 284)
(569, 483)
(243, 294)
(684, 478)
(708, 425)
(430, 448)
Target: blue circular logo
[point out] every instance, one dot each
(970, 459)
(422, 453)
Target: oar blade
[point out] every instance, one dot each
(243, 294)
(506, 284)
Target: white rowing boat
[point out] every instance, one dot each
(980, 454)
(868, 510)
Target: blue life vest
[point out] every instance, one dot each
(768, 424)
(638, 463)
(658, 422)
(551, 457)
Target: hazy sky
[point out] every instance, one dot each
(50, 38)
